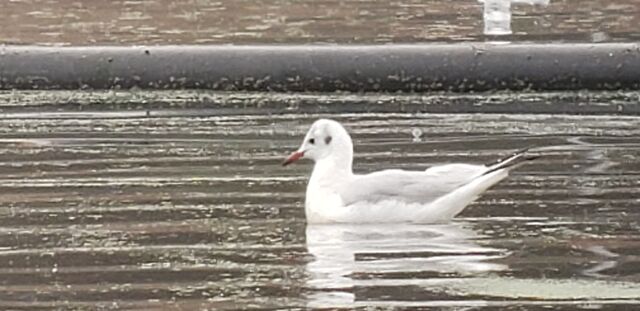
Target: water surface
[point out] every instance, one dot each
(183, 203)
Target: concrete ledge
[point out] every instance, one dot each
(158, 103)
(326, 68)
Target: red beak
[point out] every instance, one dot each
(293, 157)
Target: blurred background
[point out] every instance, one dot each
(122, 22)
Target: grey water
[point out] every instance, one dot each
(151, 22)
(178, 201)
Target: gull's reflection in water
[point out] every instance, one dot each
(350, 256)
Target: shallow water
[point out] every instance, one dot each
(142, 204)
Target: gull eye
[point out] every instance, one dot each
(327, 140)
(312, 141)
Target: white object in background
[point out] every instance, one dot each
(497, 15)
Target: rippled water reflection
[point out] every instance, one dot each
(445, 265)
(188, 207)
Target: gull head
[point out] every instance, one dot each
(326, 139)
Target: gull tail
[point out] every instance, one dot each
(449, 205)
(514, 160)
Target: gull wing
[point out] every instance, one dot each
(409, 186)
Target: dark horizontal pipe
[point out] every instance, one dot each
(326, 68)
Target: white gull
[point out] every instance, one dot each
(336, 195)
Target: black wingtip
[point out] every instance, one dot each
(511, 156)
(513, 159)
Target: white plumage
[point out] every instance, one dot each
(336, 195)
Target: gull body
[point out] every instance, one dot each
(336, 195)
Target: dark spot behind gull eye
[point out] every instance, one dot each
(312, 141)
(327, 140)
